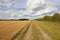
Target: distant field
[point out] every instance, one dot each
(10, 28)
(51, 28)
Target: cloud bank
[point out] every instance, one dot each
(31, 9)
(38, 7)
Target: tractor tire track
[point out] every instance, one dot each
(31, 32)
(28, 35)
(23, 30)
(36, 33)
(44, 35)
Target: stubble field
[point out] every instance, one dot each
(10, 28)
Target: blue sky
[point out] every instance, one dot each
(31, 9)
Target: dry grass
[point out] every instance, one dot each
(52, 28)
(10, 28)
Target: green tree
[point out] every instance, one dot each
(47, 18)
(56, 17)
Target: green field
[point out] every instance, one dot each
(51, 28)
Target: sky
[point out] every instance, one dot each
(31, 9)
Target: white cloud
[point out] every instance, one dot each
(27, 12)
(47, 10)
(32, 4)
(12, 14)
(34, 8)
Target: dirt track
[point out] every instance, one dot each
(34, 32)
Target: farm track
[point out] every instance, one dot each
(44, 35)
(31, 32)
(21, 33)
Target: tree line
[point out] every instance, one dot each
(55, 17)
(13, 19)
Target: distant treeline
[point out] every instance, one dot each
(23, 19)
(55, 17)
(13, 19)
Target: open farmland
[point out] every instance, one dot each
(51, 28)
(29, 30)
(32, 32)
(10, 28)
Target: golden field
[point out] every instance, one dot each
(10, 28)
